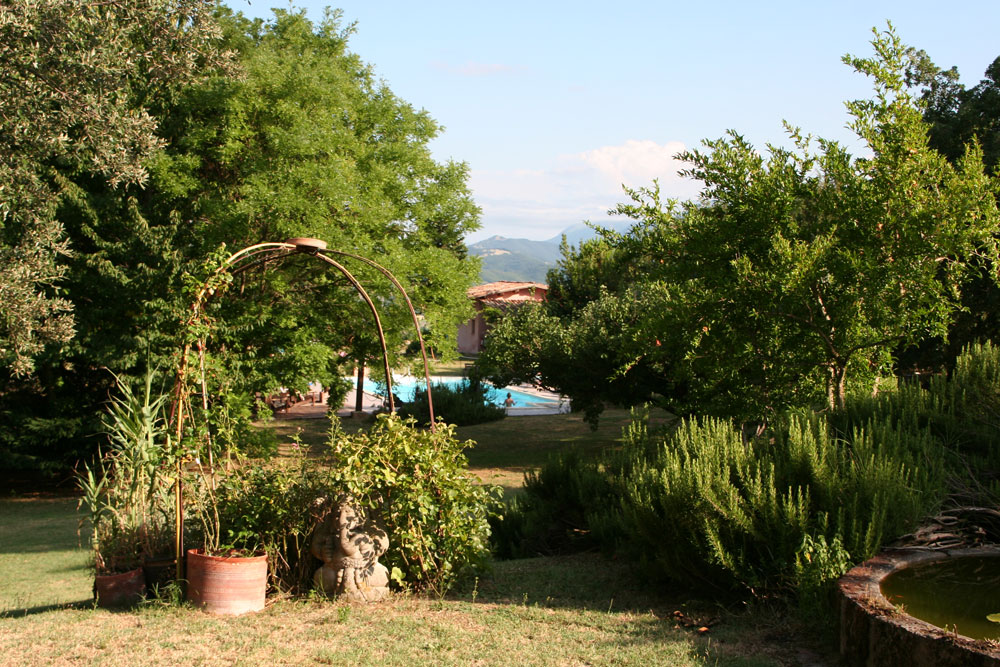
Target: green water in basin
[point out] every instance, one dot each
(955, 594)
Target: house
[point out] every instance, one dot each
(501, 295)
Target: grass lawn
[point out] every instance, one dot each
(573, 610)
(503, 450)
(41, 561)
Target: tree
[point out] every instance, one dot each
(826, 262)
(303, 142)
(958, 116)
(310, 144)
(68, 77)
(585, 341)
(798, 270)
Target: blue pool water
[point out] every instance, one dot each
(405, 388)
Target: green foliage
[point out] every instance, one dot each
(751, 504)
(520, 347)
(782, 512)
(786, 511)
(960, 410)
(461, 405)
(305, 141)
(551, 516)
(127, 492)
(81, 80)
(817, 565)
(416, 485)
(796, 274)
(271, 508)
(959, 116)
(340, 388)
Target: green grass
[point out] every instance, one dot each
(503, 450)
(579, 610)
(506, 449)
(41, 561)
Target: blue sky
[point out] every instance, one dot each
(554, 105)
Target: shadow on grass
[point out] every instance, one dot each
(580, 581)
(41, 609)
(729, 631)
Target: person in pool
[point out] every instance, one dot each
(509, 402)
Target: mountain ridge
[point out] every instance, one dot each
(504, 258)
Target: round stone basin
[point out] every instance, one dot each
(954, 594)
(874, 631)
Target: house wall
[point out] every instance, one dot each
(472, 333)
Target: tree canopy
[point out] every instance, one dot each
(797, 269)
(296, 138)
(958, 116)
(77, 78)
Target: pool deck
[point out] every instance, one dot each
(561, 404)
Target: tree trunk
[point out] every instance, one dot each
(836, 385)
(359, 397)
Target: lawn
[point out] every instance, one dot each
(571, 610)
(500, 452)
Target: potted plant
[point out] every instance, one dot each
(126, 493)
(228, 574)
(118, 577)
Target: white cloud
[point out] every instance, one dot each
(540, 203)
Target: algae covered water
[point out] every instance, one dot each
(955, 594)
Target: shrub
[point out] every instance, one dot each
(412, 481)
(340, 387)
(416, 484)
(127, 491)
(270, 508)
(788, 511)
(709, 506)
(551, 516)
(463, 405)
(783, 512)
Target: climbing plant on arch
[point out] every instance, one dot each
(199, 324)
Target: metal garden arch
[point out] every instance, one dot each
(235, 264)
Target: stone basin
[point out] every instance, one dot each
(874, 632)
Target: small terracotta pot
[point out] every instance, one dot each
(226, 584)
(119, 590)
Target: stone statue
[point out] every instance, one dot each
(349, 549)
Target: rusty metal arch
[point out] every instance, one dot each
(243, 260)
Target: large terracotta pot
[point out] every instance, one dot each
(226, 584)
(119, 590)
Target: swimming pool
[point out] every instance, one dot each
(405, 388)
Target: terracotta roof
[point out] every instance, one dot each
(502, 287)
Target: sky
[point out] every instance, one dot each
(556, 105)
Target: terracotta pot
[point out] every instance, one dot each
(226, 584)
(119, 590)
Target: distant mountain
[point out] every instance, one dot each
(523, 259)
(514, 259)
